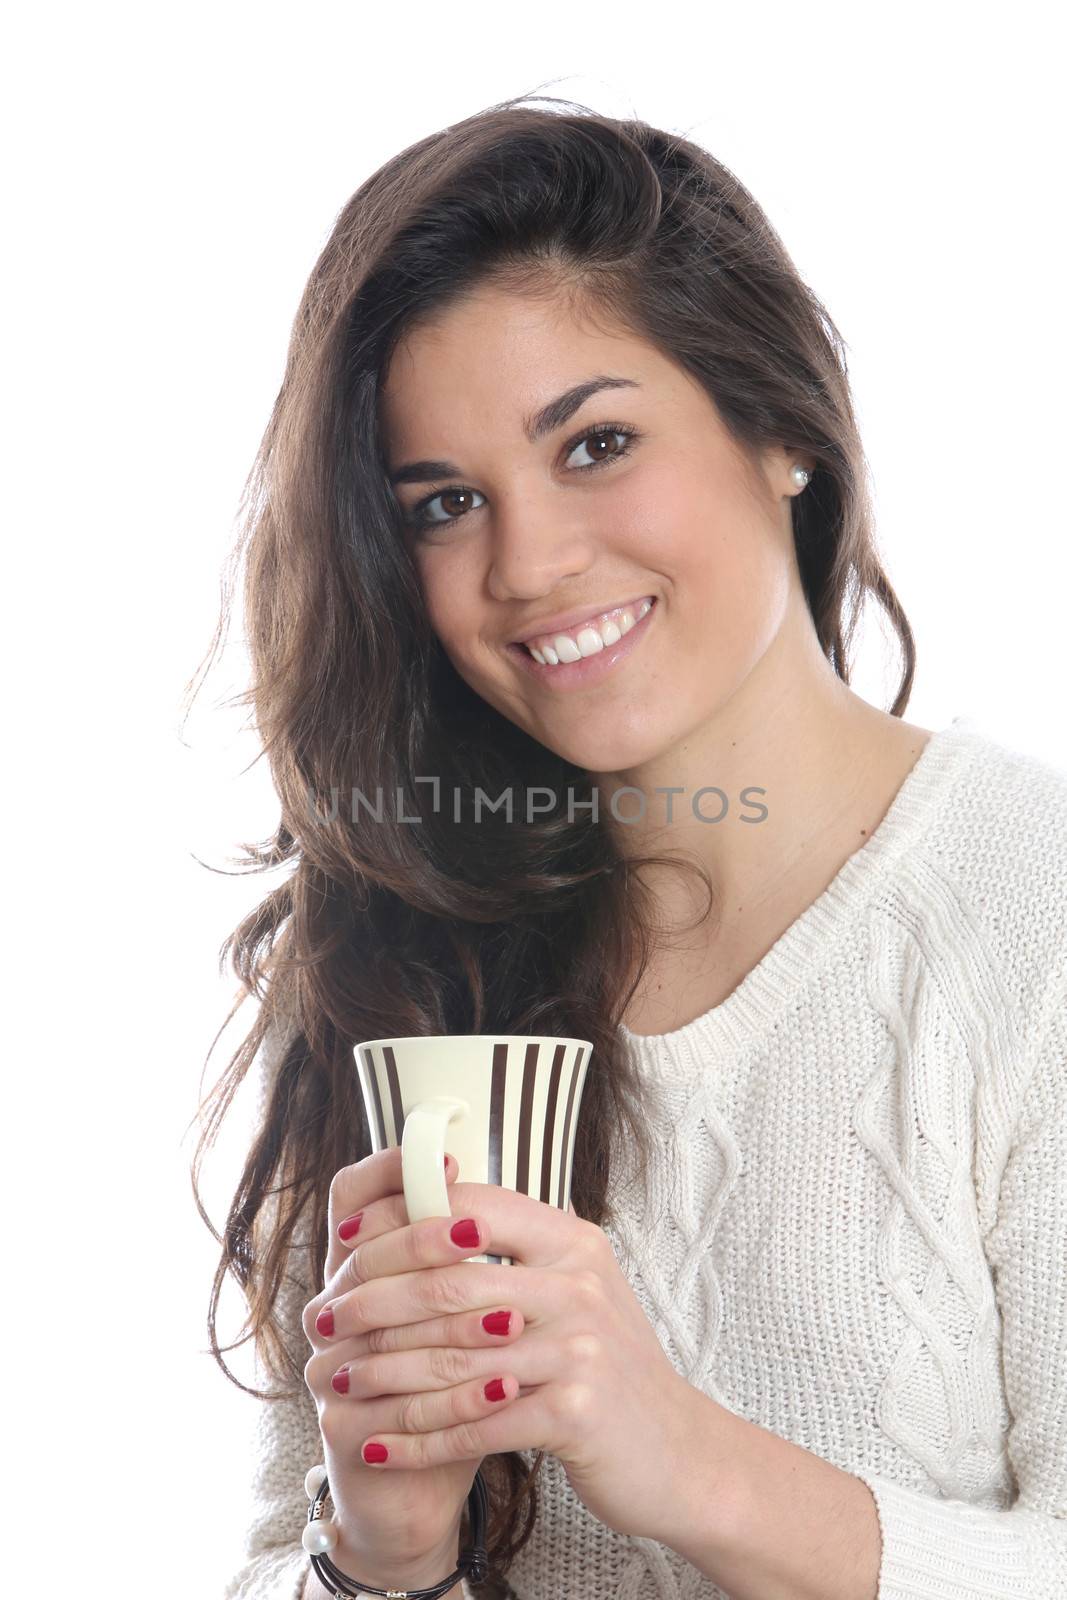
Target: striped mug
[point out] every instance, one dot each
(505, 1105)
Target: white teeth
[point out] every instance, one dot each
(590, 639)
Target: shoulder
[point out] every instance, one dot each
(999, 848)
(1024, 788)
(1003, 827)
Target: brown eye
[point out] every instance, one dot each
(601, 437)
(419, 516)
(454, 495)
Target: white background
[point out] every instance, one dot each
(171, 178)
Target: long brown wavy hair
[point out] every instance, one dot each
(381, 928)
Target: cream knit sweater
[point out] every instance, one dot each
(855, 1232)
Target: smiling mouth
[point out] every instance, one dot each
(587, 638)
(599, 659)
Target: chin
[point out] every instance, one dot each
(611, 754)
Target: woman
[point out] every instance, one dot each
(563, 491)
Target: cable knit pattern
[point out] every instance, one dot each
(854, 1230)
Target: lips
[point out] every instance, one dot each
(567, 621)
(588, 670)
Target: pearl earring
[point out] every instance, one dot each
(800, 476)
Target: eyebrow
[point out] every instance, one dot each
(547, 420)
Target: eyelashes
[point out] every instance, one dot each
(418, 519)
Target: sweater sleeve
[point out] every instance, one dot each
(285, 1442)
(948, 1549)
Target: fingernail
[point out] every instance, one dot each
(497, 1321)
(350, 1226)
(446, 1163)
(465, 1233)
(373, 1452)
(324, 1322)
(494, 1389)
(340, 1380)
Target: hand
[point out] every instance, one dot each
(389, 1525)
(588, 1379)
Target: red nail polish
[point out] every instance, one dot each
(446, 1163)
(350, 1226)
(465, 1233)
(497, 1321)
(340, 1380)
(375, 1452)
(494, 1389)
(324, 1322)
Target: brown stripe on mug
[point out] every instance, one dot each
(495, 1152)
(378, 1130)
(394, 1093)
(522, 1154)
(550, 1124)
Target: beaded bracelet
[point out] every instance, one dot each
(320, 1536)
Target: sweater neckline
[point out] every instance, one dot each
(764, 993)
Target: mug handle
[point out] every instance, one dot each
(422, 1155)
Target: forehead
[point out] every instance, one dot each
(496, 353)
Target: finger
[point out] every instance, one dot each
(473, 1331)
(491, 1326)
(430, 1242)
(357, 1189)
(379, 1216)
(440, 1367)
(487, 1429)
(358, 1186)
(418, 1417)
(531, 1232)
(418, 1296)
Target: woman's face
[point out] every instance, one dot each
(518, 530)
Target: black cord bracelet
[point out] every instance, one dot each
(473, 1560)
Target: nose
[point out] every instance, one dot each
(534, 547)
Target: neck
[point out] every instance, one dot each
(822, 762)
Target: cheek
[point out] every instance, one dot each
(729, 585)
(652, 517)
(741, 589)
(703, 538)
(448, 597)
(731, 557)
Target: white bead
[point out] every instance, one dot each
(313, 1480)
(800, 476)
(318, 1538)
